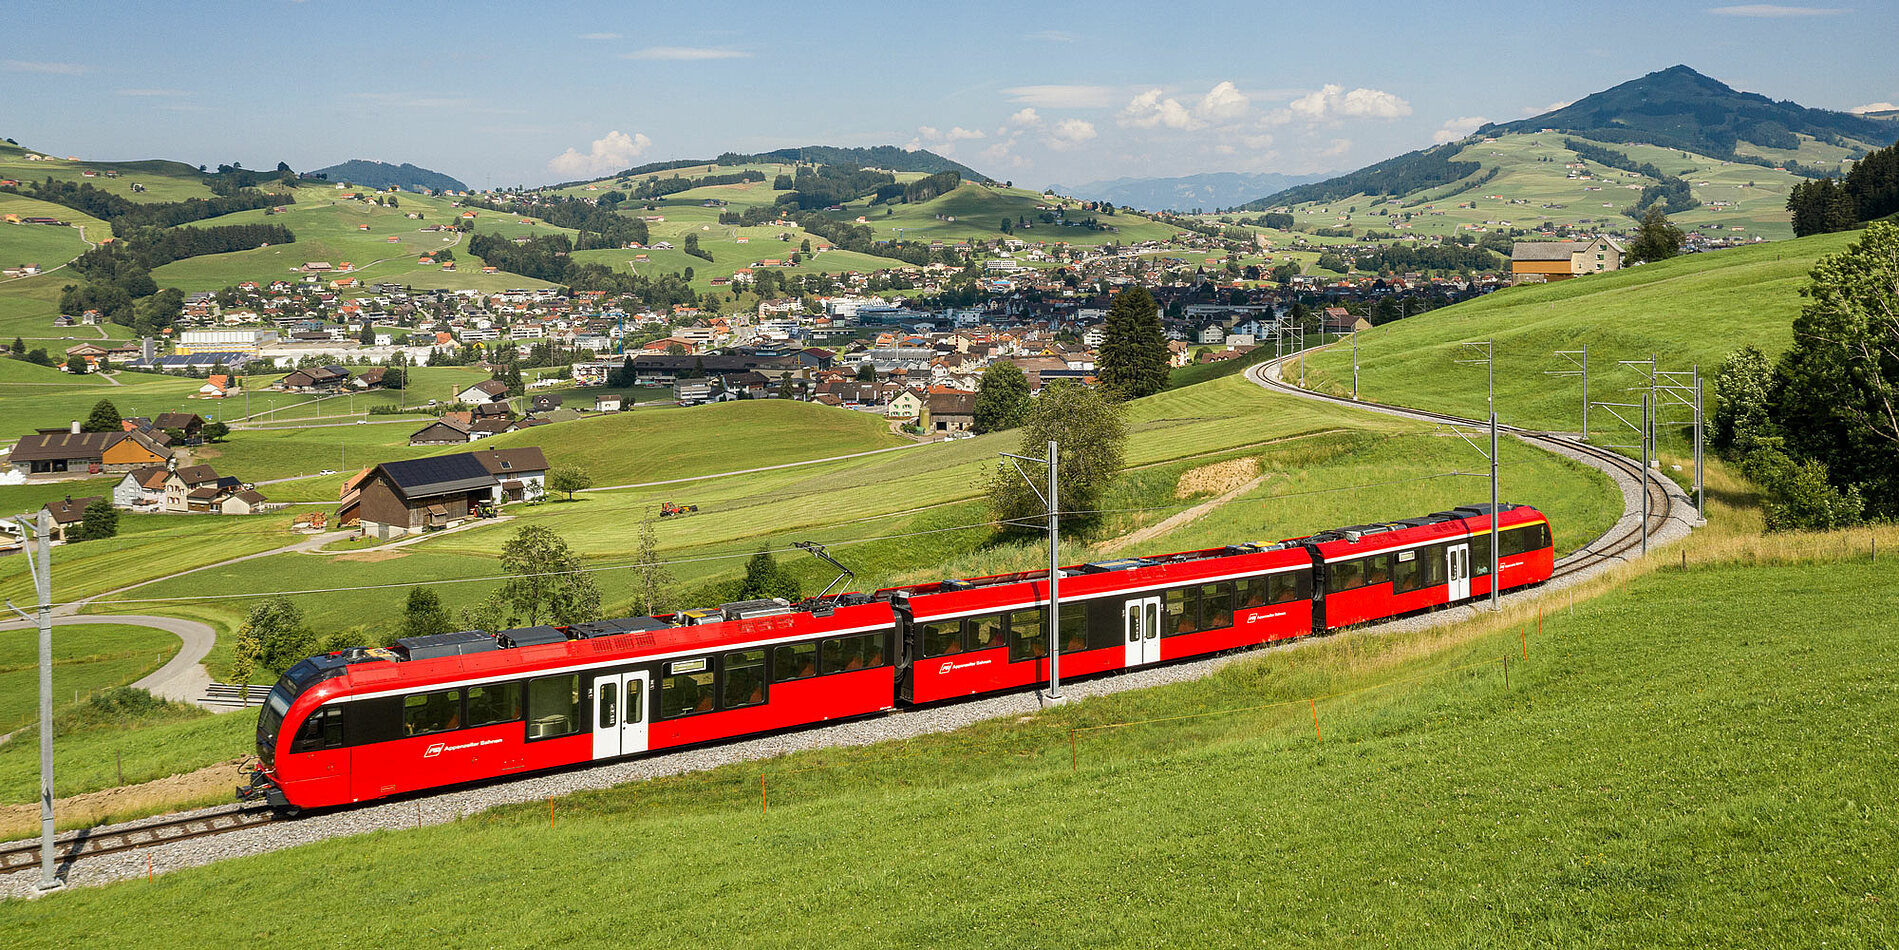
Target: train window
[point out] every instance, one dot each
(373, 720)
(425, 713)
(1407, 574)
(323, 730)
(553, 706)
(744, 679)
(847, 654)
(1105, 619)
(1288, 586)
(635, 700)
(497, 702)
(1254, 591)
(1074, 628)
(1480, 555)
(1346, 575)
(1028, 634)
(940, 638)
(609, 699)
(794, 661)
(1377, 569)
(1521, 540)
(985, 633)
(1434, 563)
(684, 694)
(1216, 606)
(1179, 610)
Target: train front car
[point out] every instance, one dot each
(299, 749)
(1371, 572)
(964, 637)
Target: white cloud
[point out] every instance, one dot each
(1774, 10)
(1001, 153)
(957, 133)
(1454, 129)
(610, 154)
(599, 36)
(1331, 102)
(1054, 36)
(152, 92)
(1552, 107)
(1257, 143)
(1024, 119)
(1337, 148)
(50, 69)
(1062, 97)
(1069, 133)
(1873, 107)
(1222, 104)
(686, 53)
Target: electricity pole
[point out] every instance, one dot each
(39, 563)
(1582, 369)
(1490, 399)
(1052, 501)
(1354, 364)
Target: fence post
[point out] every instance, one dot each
(1315, 719)
(764, 806)
(1506, 671)
(550, 811)
(1074, 755)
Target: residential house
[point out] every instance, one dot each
(949, 410)
(68, 514)
(191, 485)
(608, 402)
(1562, 260)
(71, 450)
(442, 432)
(520, 474)
(545, 402)
(905, 404)
(315, 379)
(189, 423)
(486, 391)
(246, 502)
(140, 486)
(216, 386)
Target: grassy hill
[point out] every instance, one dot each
(1689, 310)
(1605, 793)
(162, 180)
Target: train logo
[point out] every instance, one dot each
(435, 750)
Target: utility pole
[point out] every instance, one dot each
(1354, 364)
(1490, 399)
(1642, 428)
(39, 563)
(1052, 501)
(1701, 511)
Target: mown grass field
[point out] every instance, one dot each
(87, 658)
(1690, 310)
(1668, 767)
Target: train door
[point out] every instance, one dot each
(633, 713)
(1458, 570)
(606, 714)
(1140, 623)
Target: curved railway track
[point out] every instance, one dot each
(1616, 543)
(94, 842)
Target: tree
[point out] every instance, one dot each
(1743, 393)
(655, 583)
(1836, 390)
(1002, 398)
(76, 365)
(765, 578)
(1656, 238)
(423, 614)
(100, 520)
(1133, 359)
(866, 373)
(568, 479)
(548, 582)
(277, 635)
(1008, 226)
(104, 418)
(19, 347)
(1091, 432)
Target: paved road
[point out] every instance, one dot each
(184, 678)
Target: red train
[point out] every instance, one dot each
(364, 724)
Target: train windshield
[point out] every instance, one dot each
(277, 704)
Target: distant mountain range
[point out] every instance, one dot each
(1187, 192)
(384, 175)
(1674, 108)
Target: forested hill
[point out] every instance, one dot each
(1412, 171)
(887, 157)
(1680, 108)
(370, 174)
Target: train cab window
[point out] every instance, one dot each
(1179, 610)
(794, 661)
(1480, 555)
(323, 730)
(553, 706)
(1524, 539)
(1028, 634)
(1074, 628)
(942, 638)
(1288, 586)
(684, 694)
(426, 713)
(1216, 606)
(985, 633)
(1254, 592)
(744, 679)
(849, 654)
(494, 703)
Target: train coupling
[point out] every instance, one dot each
(262, 789)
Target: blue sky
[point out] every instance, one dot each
(506, 94)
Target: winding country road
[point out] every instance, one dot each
(183, 678)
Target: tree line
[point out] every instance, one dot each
(661, 187)
(124, 214)
(1868, 192)
(548, 257)
(598, 227)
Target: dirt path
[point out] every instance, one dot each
(1149, 533)
(93, 808)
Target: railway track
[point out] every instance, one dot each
(93, 842)
(1616, 544)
